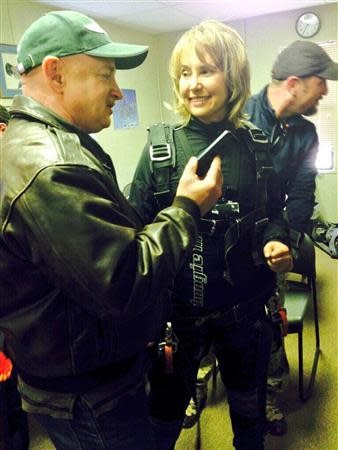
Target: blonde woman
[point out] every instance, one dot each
(219, 296)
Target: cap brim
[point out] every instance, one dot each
(126, 56)
(330, 73)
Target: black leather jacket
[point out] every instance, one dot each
(81, 282)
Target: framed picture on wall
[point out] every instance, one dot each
(125, 111)
(9, 84)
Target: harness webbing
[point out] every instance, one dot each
(163, 161)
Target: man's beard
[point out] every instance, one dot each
(311, 111)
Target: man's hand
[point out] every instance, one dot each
(203, 191)
(278, 256)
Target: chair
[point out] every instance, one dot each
(298, 296)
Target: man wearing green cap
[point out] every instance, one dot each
(83, 285)
(298, 83)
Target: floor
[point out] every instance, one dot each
(312, 425)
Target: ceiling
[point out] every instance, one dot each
(159, 16)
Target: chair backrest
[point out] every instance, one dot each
(305, 263)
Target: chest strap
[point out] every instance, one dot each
(258, 145)
(162, 161)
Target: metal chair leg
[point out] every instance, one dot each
(305, 393)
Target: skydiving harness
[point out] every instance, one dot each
(163, 160)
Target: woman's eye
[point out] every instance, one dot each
(207, 71)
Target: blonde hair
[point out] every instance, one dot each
(227, 49)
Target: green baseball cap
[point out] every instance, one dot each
(63, 33)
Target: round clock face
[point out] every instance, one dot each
(307, 25)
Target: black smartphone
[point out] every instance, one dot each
(217, 147)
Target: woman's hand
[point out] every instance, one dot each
(278, 256)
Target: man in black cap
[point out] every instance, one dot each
(83, 285)
(298, 83)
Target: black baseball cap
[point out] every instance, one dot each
(304, 59)
(64, 33)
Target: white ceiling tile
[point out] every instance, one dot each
(156, 21)
(156, 16)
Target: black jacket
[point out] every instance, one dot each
(81, 282)
(294, 158)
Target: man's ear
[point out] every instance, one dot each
(52, 70)
(292, 84)
(3, 127)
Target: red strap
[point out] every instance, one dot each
(6, 367)
(168, 353)
(282, 313)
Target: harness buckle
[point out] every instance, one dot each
(213, 227)
(200, 321)
(264, 170)
(258, 136)
(160, 152)
(235, 310)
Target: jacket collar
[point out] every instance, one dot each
(27, 106)
(31, 109)
(295, 120)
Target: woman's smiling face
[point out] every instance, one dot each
(202, 86)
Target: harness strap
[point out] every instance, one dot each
(276, 313)
(213, 227)
(162, 160)
(168, 347)
(185, 144)
(233, 315)
(284, 320)
(248, 225)
(258, 144)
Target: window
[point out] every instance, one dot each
(326, 119)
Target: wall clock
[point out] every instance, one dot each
(307, 25)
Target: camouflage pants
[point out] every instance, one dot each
(278, 368)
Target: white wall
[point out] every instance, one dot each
(125, 145)
(263, 35)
